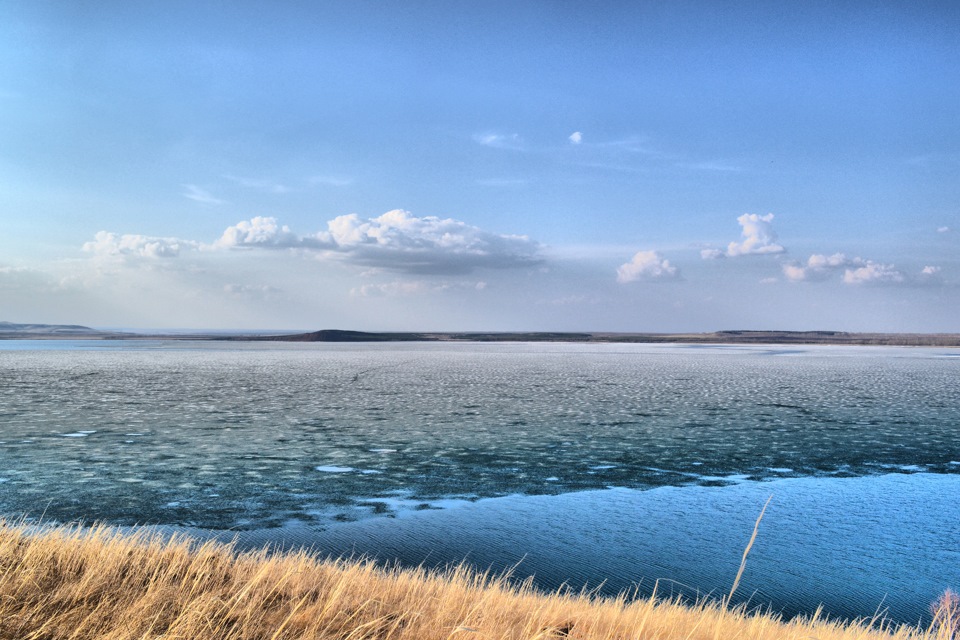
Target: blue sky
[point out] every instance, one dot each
(634, 166)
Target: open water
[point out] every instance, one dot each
(612, 466)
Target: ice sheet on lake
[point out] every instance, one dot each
(252, 436)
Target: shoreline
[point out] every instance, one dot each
(756, 338)
(877, 545)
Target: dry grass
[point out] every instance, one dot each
(96, 583)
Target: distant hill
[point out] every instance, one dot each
(336, 335)
(9, 330)
(47, 330)
(717, 337)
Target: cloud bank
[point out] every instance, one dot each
(264, 233)
(106, 244)
(399, 241)
(394, 241)
(855, 271)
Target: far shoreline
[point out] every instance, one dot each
(732, 337)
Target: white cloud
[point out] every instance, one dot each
(499, 140)
(576, 137)
(820, 262)
(819, 266)
(646, 265)
(872, 273)
(856, 271)
(197, 194)
(396, 241)
(112, 244)
(930, 276)
(943, 229)
(263, 232)
(399, 241)
(758, 239)
(758, 236)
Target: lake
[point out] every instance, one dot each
(611, 466)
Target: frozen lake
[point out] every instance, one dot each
(622, 464)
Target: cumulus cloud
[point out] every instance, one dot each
(758, 239)
(856, 271)
(394, 241)
(758, 236)
(195, 193)
(931, 276)
(819, 267)
(265, 232)
(118, 245)
(400, 241)
(576, 137)
(712, 254)
(872, 273)
(646, 265)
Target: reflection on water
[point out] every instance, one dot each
(329, 438)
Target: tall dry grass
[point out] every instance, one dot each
(73, 583)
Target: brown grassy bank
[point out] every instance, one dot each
(72, 583)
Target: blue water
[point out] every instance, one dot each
(613, 464)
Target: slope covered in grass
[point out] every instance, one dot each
(96, 583)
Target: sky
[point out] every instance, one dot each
(453, 166)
